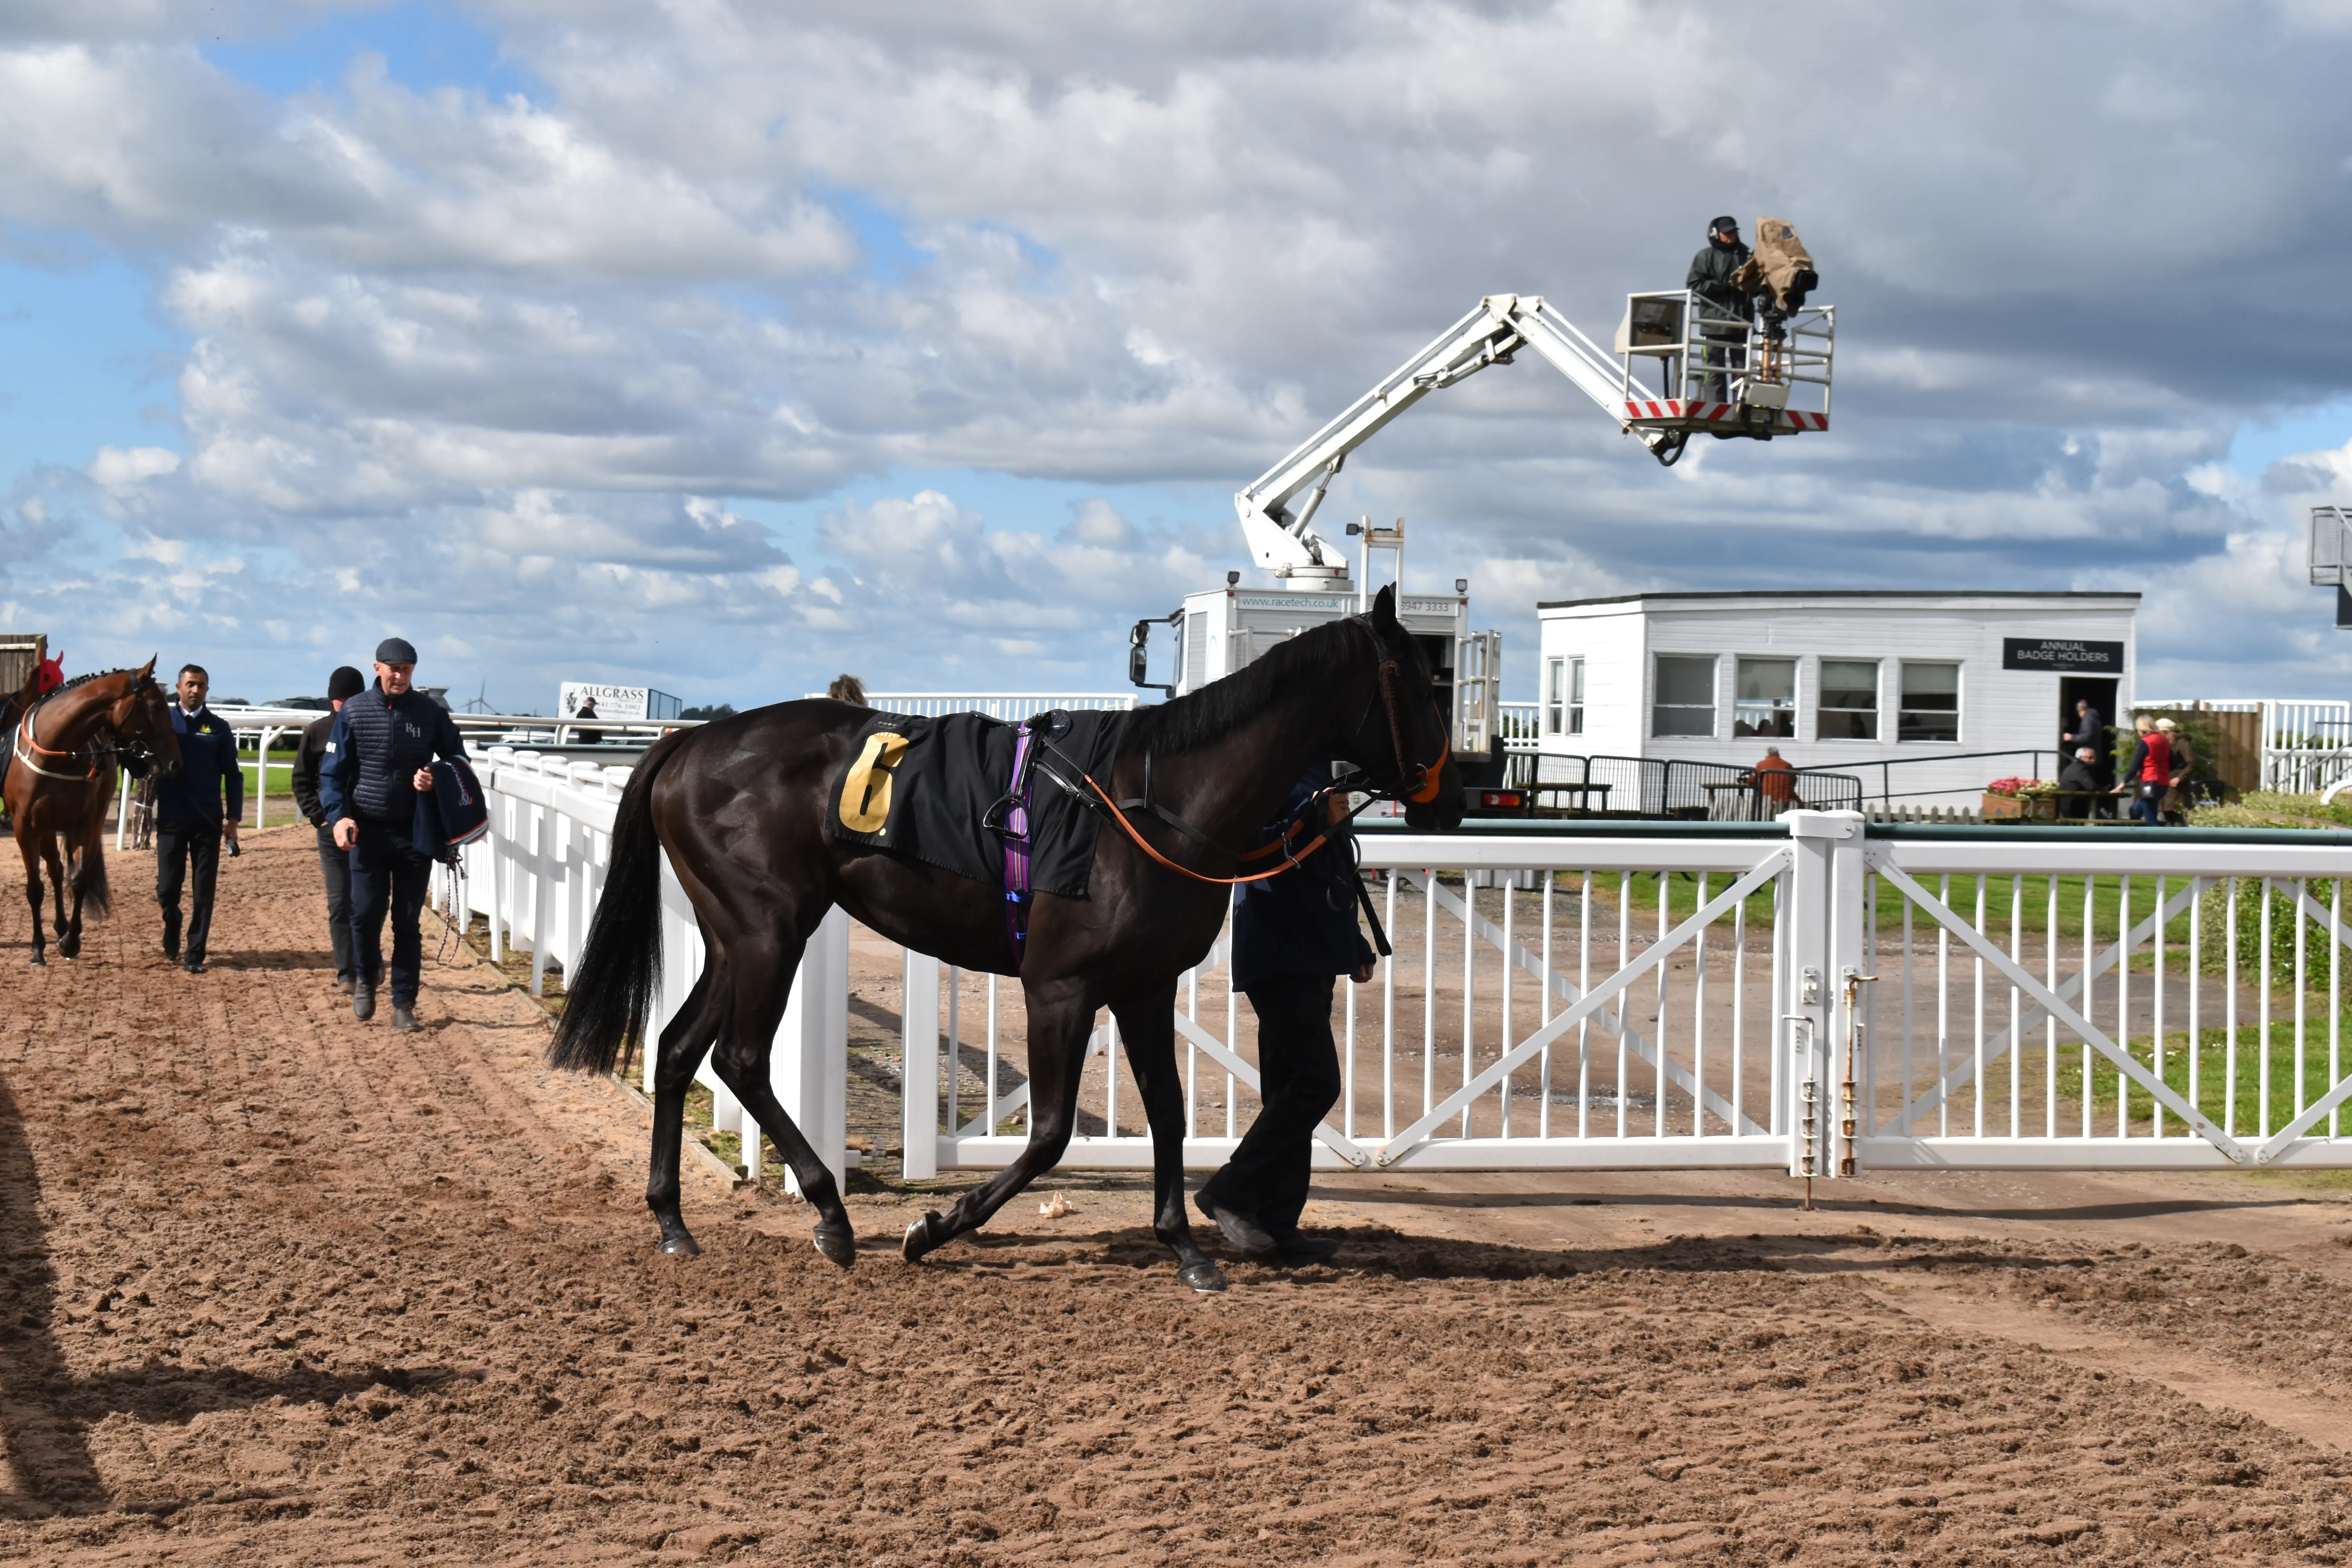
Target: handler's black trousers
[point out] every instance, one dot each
(335, 865)
(1298, 1071)
(388, 877)
(180, 849)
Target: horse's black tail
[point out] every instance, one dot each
(605, 1011)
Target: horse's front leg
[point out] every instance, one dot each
(1061, 1016)
(61, 875)
(1148, 1027)
(30, 848)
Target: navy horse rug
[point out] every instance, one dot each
(1002, 804)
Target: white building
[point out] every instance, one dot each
(1842, 680)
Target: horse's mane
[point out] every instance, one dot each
(84, 680)
(1204, 717)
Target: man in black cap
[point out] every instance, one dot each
(334, 863)
(1710, 279)
(378, 755)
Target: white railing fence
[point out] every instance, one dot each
(1816, 995)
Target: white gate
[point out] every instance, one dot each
(1552, 1002)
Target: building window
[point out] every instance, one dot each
(1564, 697)
(1767, 703)
(1848, 710)
(1931, 702)
(1685, 698)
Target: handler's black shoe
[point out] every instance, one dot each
(362, 1000)
(1239, 1228)
(344, 984)
(1295, 1247)
(194, 966)
(404, 1014)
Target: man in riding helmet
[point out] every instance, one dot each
(195, 808)
(379, 757)
(1293, 935)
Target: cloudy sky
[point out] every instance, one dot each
(725, 346)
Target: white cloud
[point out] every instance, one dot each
(542, 332)
(118, 469)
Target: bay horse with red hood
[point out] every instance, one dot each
(739, 808)
(63, 757)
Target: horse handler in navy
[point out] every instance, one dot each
(334, 861)
(191, 820)
(379, 756)
(1293, 936)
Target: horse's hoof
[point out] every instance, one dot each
(838, 1243)
(679, 1245)
(921, 1238)
(38, 959)
(1203, 1277)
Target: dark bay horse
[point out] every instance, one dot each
(62, 758)
(739, 808)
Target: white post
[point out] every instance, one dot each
(541, 832)
(121, 812)
(918, 1070)
(1850, 944)
(1809, 1005)
(809, 1069)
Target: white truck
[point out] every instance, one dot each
(1764, 376)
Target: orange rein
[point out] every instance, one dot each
(1290, 860)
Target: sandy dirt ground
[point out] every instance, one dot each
(283, 1288)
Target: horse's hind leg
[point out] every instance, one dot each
(1061, 1016)
(69, 925)
(675, 1060)
(1149, 1030)
(764, 986)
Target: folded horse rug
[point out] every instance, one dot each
(941, 791)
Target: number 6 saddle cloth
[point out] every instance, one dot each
(942, 791)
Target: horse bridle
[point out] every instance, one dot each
(1424, 777)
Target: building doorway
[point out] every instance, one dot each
(2100, 693)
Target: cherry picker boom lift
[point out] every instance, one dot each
(1682, 367)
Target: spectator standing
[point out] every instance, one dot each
(2079, 789)
(334, 861)
(379, 757)
(2149, 774)
(195, 808)
(1293, 936)
(2184, 770)
(585, 711)
(1776, 783)
(1710, 279)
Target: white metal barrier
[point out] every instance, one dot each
(1815, 996)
